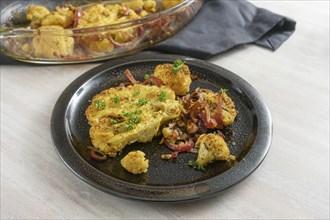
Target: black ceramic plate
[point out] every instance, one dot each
(168, 181)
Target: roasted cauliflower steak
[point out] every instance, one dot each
(119, 116)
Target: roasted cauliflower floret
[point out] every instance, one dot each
(228, 107)
(178, 81)
(135, 162)
(123, 115)
(98, 15)
(55, 44)
(134, 5)
(150, 6)
(35, 14)
(63, 16)
(211, 147)
(170, 3)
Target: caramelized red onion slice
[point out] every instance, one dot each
(96, 154)
(201, 128)
(197, 97)
(197, 103)
(77, 13)
(130, 77)
(153, 80)
(182, 147)
(195, 108)
(117, 44)
(208, 123)
(175, 154)
(206, 117)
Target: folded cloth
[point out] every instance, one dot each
(223, 24)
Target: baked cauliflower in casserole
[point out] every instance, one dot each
(87, 16)
(120, 116)
(179, 80)
(211, 147)
(35, 14)
(40, 16)
(99, 15)
(54, 44)
(170, 3)
(62, 16)
(135, 162)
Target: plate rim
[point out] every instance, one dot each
(197, 190)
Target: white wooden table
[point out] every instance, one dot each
(291, 183)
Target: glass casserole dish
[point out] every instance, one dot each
(57, 32)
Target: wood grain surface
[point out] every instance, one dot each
(291, 183)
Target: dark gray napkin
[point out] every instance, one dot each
(224, 24)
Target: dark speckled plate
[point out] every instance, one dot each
(167, 181)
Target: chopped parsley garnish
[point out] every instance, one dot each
(115, 121)
(134, 119)
(162, 96)
(129, 127)
(136, 93)
(100, 104)
(116, 99)
(139, 111)
(223, 90)
(126, 113)
(142, 102)
(177, 66)
(195, 165)
(147, 76)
